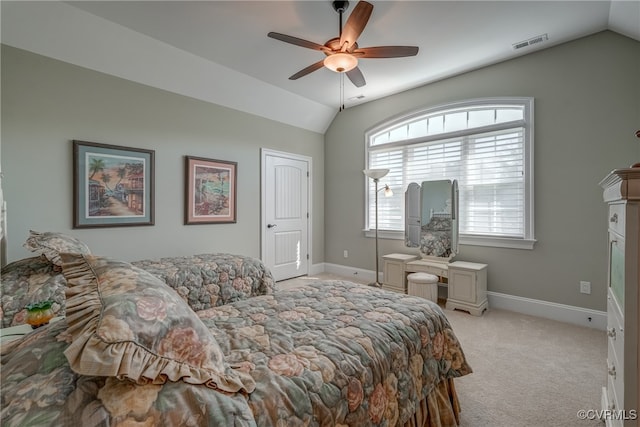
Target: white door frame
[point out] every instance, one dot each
(264, 153)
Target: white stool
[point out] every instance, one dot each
(423, 285)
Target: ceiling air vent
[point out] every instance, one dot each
(531, 41)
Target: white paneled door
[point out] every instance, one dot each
(285, 214)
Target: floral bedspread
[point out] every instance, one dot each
(208, 280)
(26, 281)
(203, 281)
(331, 353)
(40, 389)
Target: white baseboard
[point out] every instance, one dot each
(316, 269)
(533, 307)
(549, 310)
(343, 270)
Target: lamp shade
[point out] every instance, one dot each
(341, 62)
(375, 173)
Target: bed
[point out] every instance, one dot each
(330, 353)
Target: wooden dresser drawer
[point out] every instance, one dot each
(613, 404)
(611, 392)
(616, 218)
(426, 267)
(615, 329)
(615, 377)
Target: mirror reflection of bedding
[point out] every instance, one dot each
(431, 220)
(330, 352)
(435, 239)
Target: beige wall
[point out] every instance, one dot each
(47, 103)
(587, 108)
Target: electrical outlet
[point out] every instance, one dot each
(346, 253)
(585, 287)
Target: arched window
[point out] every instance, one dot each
(485, 144)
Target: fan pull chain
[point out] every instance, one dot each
(341, 92)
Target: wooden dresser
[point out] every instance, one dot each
(620, 397)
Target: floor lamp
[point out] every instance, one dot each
(376, 174)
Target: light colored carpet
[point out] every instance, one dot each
(528, 371)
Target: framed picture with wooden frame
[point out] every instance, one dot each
(113, 186)
(210, 191)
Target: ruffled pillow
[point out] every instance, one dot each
(126, 323)
(52, 244)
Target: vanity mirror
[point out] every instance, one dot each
(431, 218)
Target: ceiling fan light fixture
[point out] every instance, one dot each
(341, 62)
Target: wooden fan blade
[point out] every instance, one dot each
(296, 41)
(356, 77)
(386, 52)
(310, 69)
(355, 24)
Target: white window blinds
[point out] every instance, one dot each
(486, 153)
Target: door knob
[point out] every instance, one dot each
(271, 225)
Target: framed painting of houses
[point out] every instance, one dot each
(113, 186)
(210, 191)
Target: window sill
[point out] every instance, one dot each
(497, 242)
(384, 234)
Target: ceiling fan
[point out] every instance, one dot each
(342, 53)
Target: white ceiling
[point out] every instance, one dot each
(218, 51)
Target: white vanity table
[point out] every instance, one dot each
(466, 281)
(431, 226)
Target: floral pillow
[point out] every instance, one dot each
(52, 244)
(127, 323)
(27, 281)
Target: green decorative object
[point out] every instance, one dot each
(39, 313)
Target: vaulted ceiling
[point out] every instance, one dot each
(218, 51)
